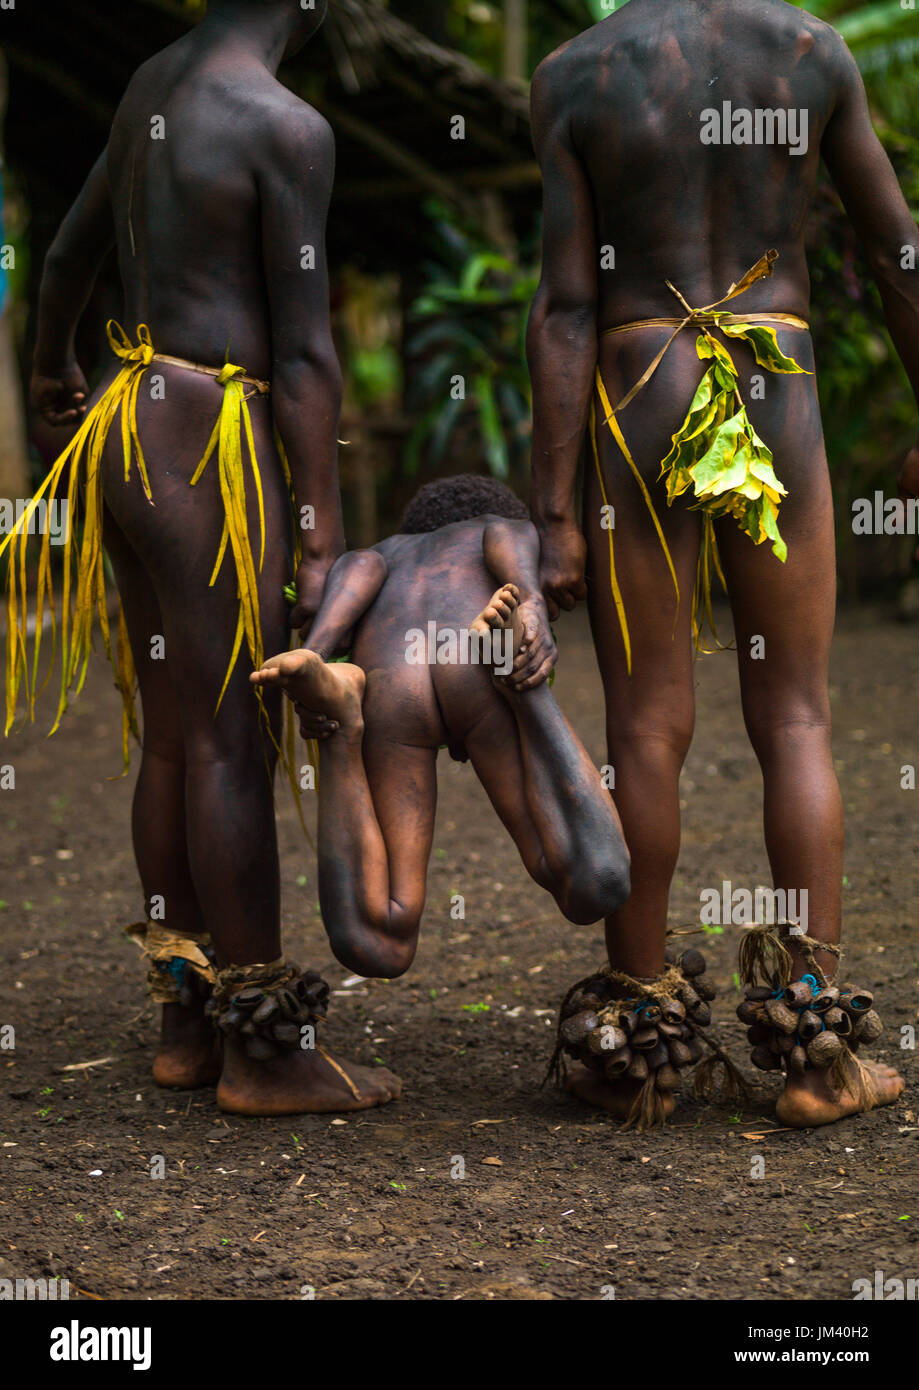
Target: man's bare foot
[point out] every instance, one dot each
(299, 1083)
(331, 691)
(189, 1052)
(809, 1098)
(615, 1099)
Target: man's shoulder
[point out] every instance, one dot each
(286, 127)
(812, 35)
(559, 78)
(558, 66)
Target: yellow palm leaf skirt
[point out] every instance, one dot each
(77, 473)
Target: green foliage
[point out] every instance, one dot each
(466, 343)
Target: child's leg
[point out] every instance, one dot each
(548, 793)
(376, 819)
(543, 785)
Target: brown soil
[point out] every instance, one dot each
(555, 1202)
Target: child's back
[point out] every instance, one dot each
(435, 577)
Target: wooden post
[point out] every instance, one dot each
(14, 455)
(515, 40)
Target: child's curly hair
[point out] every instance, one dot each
(460, 499)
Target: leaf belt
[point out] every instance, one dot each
(701, 316)
(262, 388)
(715, 451)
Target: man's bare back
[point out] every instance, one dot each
(633, 91)
(634, 196)
(194, 169)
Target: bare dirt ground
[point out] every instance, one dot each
(555, 1203)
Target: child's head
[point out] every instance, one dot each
(460, 499)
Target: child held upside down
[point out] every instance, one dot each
(381, 717)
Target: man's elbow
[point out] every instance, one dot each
(572, 321)
(887, 266)
(309, 370)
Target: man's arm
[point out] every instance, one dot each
(295, 186)
(872, 197)
(561, 341)
(87, 234)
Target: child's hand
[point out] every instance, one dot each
(314, 724)
(538, 652)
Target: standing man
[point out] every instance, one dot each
(214, 189)
(679, 142)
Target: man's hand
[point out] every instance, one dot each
(909, 475)
(59, 397)
(562, 557)
(310, 581)
(538, 653)
(909, 480)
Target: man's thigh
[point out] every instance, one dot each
(784, 613)
(177, 542)
(659, 687)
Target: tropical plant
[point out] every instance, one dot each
(466, 347)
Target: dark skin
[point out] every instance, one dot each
(617, 130)
(380, 721)
(210, 223)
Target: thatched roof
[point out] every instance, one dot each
(389, 92)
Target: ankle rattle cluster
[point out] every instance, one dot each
(269, 1007)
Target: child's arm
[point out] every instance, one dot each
(352, 586)
(511, 552)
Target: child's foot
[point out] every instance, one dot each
(616, 1099)
(810, 1099)
(534, 652)
(333, 692)
(189, 1052)
(299, 1083)
(502, 614)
